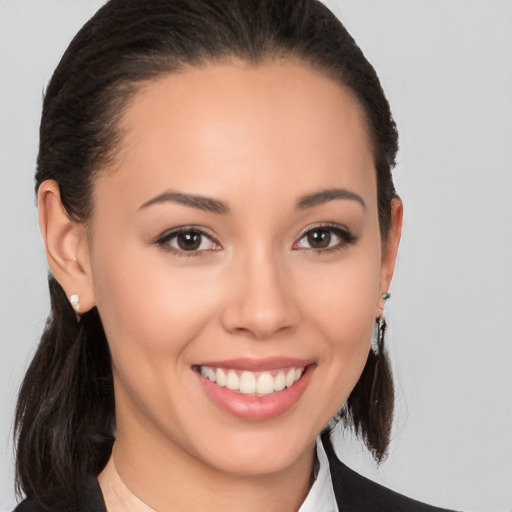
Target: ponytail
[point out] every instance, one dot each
(65, 421)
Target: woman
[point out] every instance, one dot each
(221, 227)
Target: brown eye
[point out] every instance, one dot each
(190, 241)
(319, 238)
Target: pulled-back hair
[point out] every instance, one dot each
(65, 418)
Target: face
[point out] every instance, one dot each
(236, 263)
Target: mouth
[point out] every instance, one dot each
(255, 390)
(251, 383)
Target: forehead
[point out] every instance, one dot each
(264, 127)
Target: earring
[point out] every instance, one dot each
(384, 297)
(75, 302)
(379, 351)
(381, 329)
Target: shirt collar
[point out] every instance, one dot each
(321, 496)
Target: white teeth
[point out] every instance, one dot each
(232, 381)
(220, 377)
(290, 377)
(279, 381)
(249, 383)
(265, 384)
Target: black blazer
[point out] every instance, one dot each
(354, 493)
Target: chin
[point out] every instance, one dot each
(262, 451)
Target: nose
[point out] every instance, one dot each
(261, 301)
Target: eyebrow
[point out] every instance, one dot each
(206, 204)
(325, 196)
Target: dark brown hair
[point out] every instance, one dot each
(65, 420)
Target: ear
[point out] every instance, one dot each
(66, 246)
(390, 247)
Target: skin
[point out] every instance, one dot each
(258, 139)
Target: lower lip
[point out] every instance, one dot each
(257, 408)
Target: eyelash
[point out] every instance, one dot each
(346, 237)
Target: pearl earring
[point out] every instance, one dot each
(75, 302)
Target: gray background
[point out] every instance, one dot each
(446, 66)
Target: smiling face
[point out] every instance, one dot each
(237, 265)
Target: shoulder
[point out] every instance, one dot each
(355, 492)
(91, 501)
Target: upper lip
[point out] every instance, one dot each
(258, 365)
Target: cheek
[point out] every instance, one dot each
(347, 333)
(150, 312)
(343, 297)
(152, 315)
(342, 307)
